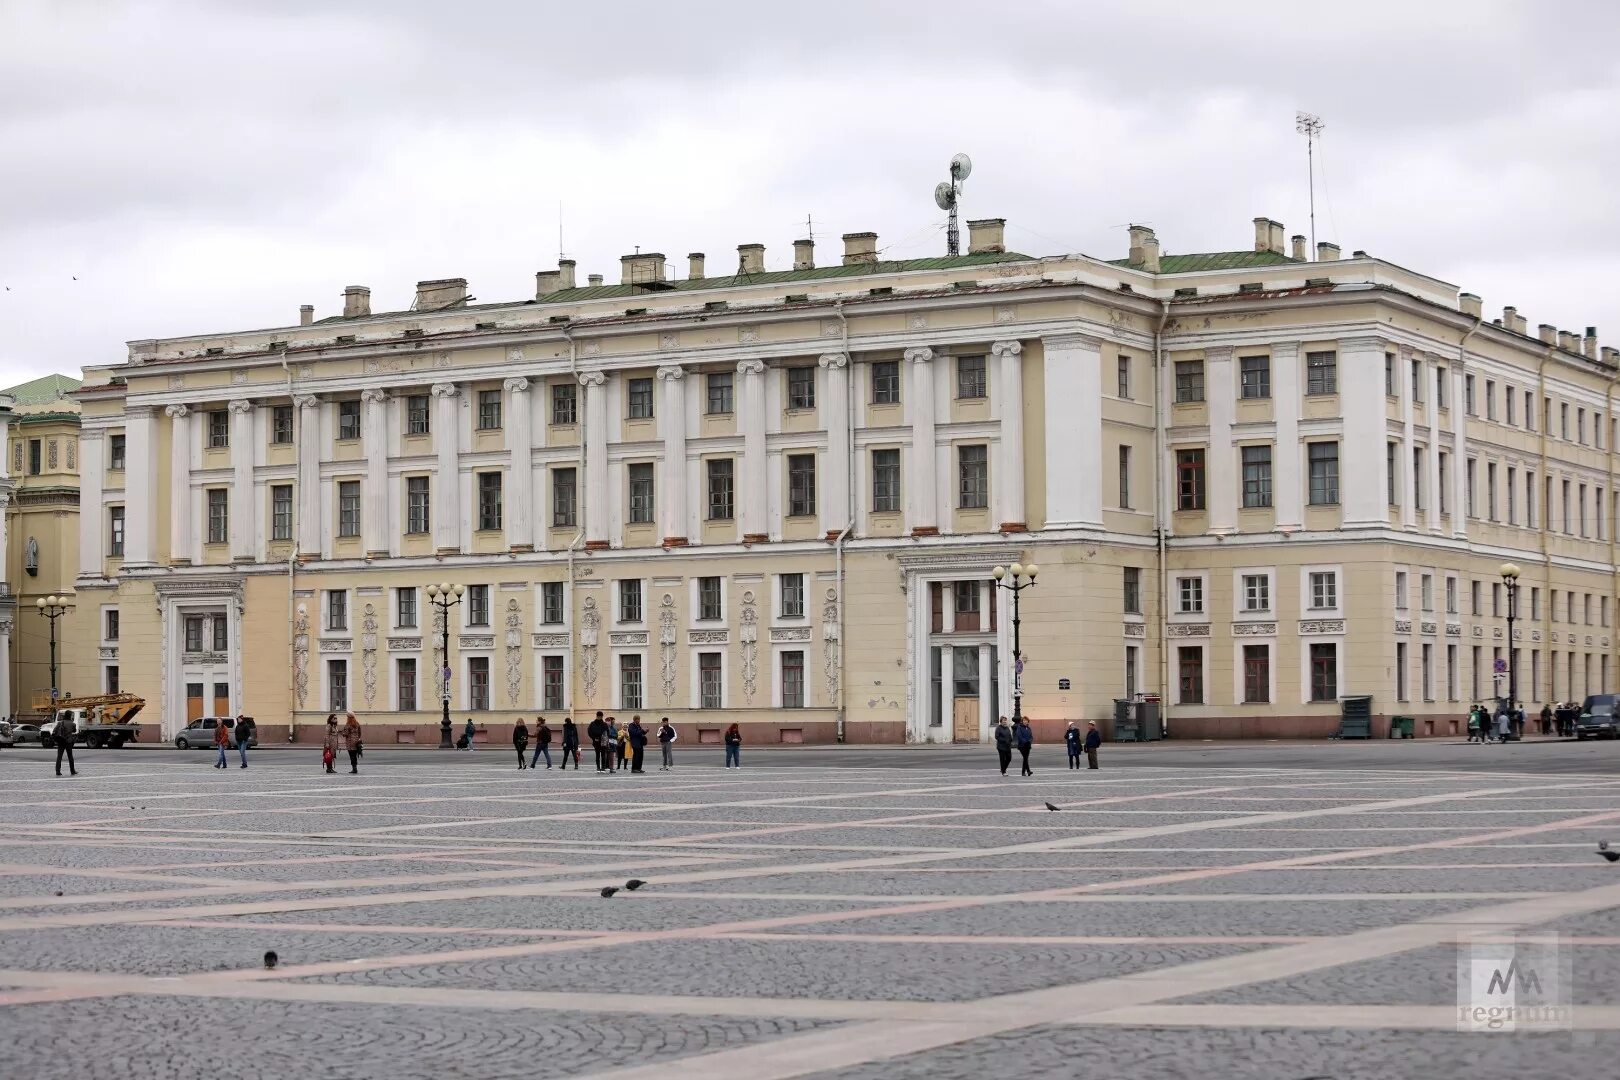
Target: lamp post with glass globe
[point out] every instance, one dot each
(1510, 578)
(444, 597)
(1015, 579)
(53, 608)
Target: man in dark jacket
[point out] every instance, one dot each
(1024, 739)
(1004, 744)
(542, 744)
(1093, 740)
(520, 742)
(594, 731)
(66, 731)
(638, 743)
(244, 737)
(570, 743)
(666, 744)
(1071, 740)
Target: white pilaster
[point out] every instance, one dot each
(309, 474)
(835, 507)
(1074, 471)
(1009, 479)
(1459, 454)
(1361, 397)
(244, 530)
(593, 386)
(1287, 402)
(1221, 466)
(140, 452)
(447, 515)
(672, 470)
(1431, 456)
(92, 512)
(755, 464)
(374, 497)
(180, 524)
(1404, 462)
(921, 480)
(520, 467)
(986, 706)
(6, 704)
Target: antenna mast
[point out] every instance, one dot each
(1311, 127)
(946, 197)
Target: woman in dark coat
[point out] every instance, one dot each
(520, 742)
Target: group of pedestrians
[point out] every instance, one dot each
(623, 748)
(346, 736)
(242, 731)
(1021, 736)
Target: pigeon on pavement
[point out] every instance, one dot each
(270, 959)
(634, 883)
(1049, 806)
(610, 890)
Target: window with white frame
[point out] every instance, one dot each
(1190, 591)
(337, 609)
(551, 603)
(405, 607)
(630, 681)
(1324, 589)
(1321, 373)
(405, 683)
(711, 681)
(793, 679)
(630, 600)
(710, 594)
(792, 601)
(1256, 592)
(337, 684)
(478, 605)
(551, 682)
(1400, 589)
(478, 683)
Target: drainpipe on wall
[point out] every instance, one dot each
(1161, 516)
(292, 569)
(849, 506)
(580, 488)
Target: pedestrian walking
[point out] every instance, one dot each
(244, 737)
(353, 743)
(596, 731)
(65, 732)
(733, 746)
(1024, 738)
(1475, 729)
(329, 745)
(1546, 719)
(621, 746)
(1004, 743)
(542, 744)
(1503, 723)
(570, 743)
(468, 732)
(1071, 739)
(520, 742)
(222, 742)
(637, 735)
(1093, 741)
(666, 744)
(610, 741)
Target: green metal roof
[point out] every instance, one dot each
(1215, 260)
(775, 277)
(43, 391)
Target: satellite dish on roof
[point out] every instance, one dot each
(944, 195)
(961, 166)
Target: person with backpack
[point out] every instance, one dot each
(733, 746)
(570, 742)
(1474, 731)
(1004, 743)
(329, 745)
(468, 733)
(222, 742)
(1071, 739)
(1024, 739)
(244, 737)
(65, 732)
(666, 743)
(520, 741)
(542, 744)
(636, 735)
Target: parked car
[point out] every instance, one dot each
(1597, 718)
(25, 733)
(199, 734)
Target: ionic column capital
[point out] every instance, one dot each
(306, 401)
(751, 367)
(671, 372)
(833, 361)
(241, 405)
(1006, 348)
(590, 380)
(176, 411)
(518, 385)
(920, 354)
(445, 390)
(373, 396)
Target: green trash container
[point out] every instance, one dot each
(1402, 727)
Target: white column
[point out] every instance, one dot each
(520, 468)
(244, 530)
(447, 484)
(1404, 461)
(140, 451)
(92, 512)
(1221, 467)
(835, 506)
(593, 386)
(309, 474)
(1361, 398)
(1074, 469)
(6, 704)
(1431, 456)
(374, 523)
(1009, 478)
(1286, 403)
(921, 479)
(672, 470)
(1459, 455)
(180, 524)
(755, 465)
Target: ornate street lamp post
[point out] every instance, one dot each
(53, 608)
(1015, 579)
(1510, 578)
(444, 597)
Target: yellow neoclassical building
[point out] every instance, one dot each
(1255, 481)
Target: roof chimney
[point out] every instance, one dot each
(565, 274)
(750, 258)
(804, 254)
(1139, 235)
(860, 247)
(1300, 253)
(306, 314)
(1590, 345)
(1326, 252)
(1510, 318)
(1150, 254)
(1568, 341)
(694, 266)
(987, 236)
(356, 301)
(640, 268)
(1548, 333)
(1469, 304)
(547, 282)
(440, 293)
(1610, 355)
(1268, 235)
(593, 280)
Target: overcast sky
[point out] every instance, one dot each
(210, 165)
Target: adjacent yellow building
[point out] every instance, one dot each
(1255, 482)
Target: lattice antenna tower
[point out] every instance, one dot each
(947, 194)
(1310, 126)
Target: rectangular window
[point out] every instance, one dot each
(221, 633)
(1390, 485)
(1191, 593)
(1189, 479)
(1190, 674)
(478, 683)
(1256, 674)
(1124, 377)
(1440, 388)
(719, 385)
(885, 481)
(1400, 590)
(281, 425)
(110, 631)
(1468, 482)
(1567, 516)
(630, 681)
(720, 488)
(1509, 398)
(1321, 373)
(801, 387)
(1490, 490)
(639, 396)
(641, 493)
(1402, 690)
(418, 415)
(1426, 591)
(219, 429)
(970, 377)
(709, 599)
(36, 450)
(565, 404)
(1133, 590)
(1535, 602)
(1468, 395)
(337, 684)
(1580, 426)
(405, 607)
(405, 683)
(965, 673)
(973, 486)
(1563, 419)
(1256, 592)
(1529, 411)
(348, 420)
(112, 677)
(194, 633)
(1580, 507)
(793, 679)
(1451, 596)
(1124, 478)
(281, 511)
(1441, 468)
(1189, 380)
(1417, 477)
(115, 531)
(1451, 673)
(489, 501)
(489, 410)
(886, 382)
(418, 505)
(711, 683)
(348, 507)
(792, 596)
(630, 600)
(219, 521)
(551, 603)
(478, 605)
(563, 502)
(551, 682)
(337, 609)
(801, 485)
(1324, 671)
(1324, 472)
(1131, 661)
(1254, 373)
(1324, 589)
(1426, 666)
(1256, 476)
(965, 602)
(1391, 387)
(1490, 399)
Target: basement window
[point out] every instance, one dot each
(345, 339)
(793, 298)
(278, 344)
(715, 305)
(1185, 294)
(1125, 287)
(1249, 287)
(558, 319)
(886, 290)
(635, 311)
(413, 333)
(214, 352)
(484, 326)
(1317, 282)
(969, 284)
